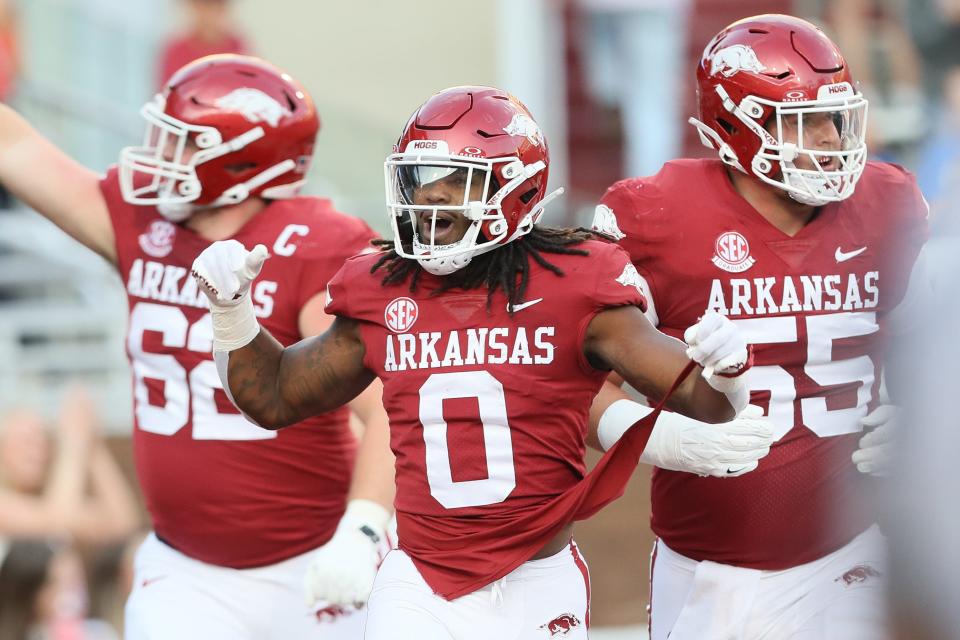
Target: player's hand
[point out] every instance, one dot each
(225, 270)
(876, 447)
(724, 450)
(717, 345)
(342, 571)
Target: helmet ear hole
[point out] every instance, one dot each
(529, 195)
(727, 126)
(240, 167)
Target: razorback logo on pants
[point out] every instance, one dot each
(561, 625)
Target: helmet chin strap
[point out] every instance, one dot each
(806, 190)
(176, 212)
(445, 265)
(711, 140)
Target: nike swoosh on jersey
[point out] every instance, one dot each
(149, 581)
(843, 256)
(523, 305)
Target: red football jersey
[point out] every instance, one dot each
(488, 411)
(219, 488)
(814, 307)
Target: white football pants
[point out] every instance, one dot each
(178, 598)
(838, 597)
(538, 599)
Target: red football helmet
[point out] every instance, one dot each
(779, 67)
(250, 129)
(481, 135)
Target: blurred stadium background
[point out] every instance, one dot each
(609, 106)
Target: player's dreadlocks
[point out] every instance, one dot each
(506, 267)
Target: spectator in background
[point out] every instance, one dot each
(65, 486)
(883, 57)
(209, 29)
(935, 26)
(43, 595)
(635, 54)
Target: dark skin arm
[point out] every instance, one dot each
(623, 340)
(277, 387)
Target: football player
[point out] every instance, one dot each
(806, 246)
(491, 334)
(236, 509)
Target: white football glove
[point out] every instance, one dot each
(877, 446)
(716, 344)
(224, 272)
(342, 571)
(723, 450)
(225, 269)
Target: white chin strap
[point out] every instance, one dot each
(444, 265)
(809, 191)
(176, 212)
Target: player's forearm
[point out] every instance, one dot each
(12, 128)
(697, 399)
(253, 381)
(277, 387)
(18, 144)
(609, 393)
(53, 184)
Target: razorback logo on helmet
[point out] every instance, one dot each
(736, 58)
(400, 314)
(254, 105)
(157, 240)
(561, 625)
(523, 125)
(732, 252)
